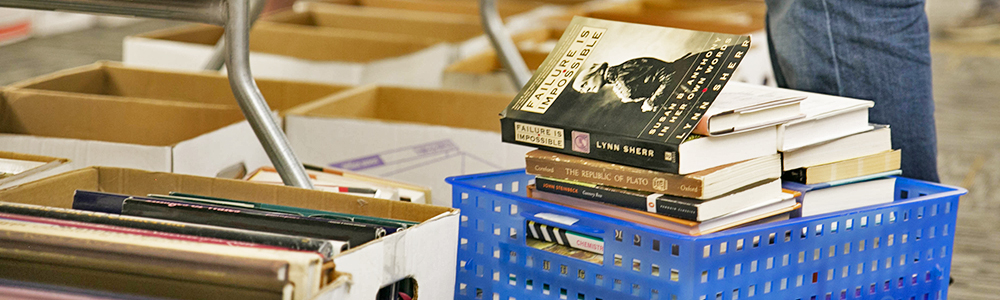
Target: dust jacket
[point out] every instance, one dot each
(623, 93)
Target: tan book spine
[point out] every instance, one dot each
(567, 167)
(871, 164)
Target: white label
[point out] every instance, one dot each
(538, 135)
(564, 71)
(557, 218)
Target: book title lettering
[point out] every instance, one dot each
(562, 74)
(539, 135)
(659, 184)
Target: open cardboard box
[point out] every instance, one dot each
(443, 27)
(425, 252)
(106, 114)
(484, 72)
(413, 135)
(340, 57)
(465, 7)
(50, 166)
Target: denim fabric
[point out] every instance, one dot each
(877, 50)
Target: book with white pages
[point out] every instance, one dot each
(872, 141)
(827, 117)
(742, 106)
(851, 193)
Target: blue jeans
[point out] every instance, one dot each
(877, 50)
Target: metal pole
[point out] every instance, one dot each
(509, 56)
(202, 11)
(218, 58)
(252, 102)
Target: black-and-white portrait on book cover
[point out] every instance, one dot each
(636, 80)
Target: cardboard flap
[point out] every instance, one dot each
(467, 7)
(345, 46)
(113, 79)
(153, 123)
(459, 109)
(723, 16)
(439, 26)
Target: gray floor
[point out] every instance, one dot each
(966, 82)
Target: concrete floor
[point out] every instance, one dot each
(966, 83)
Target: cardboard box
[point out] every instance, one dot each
(338, 57)
(106, 114)
(724, 16)
(51, 166)
(466, 7)
(425, 252)
(413, 135)
(441, 27)
(484, 72)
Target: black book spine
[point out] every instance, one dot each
(324, 247)
(663, 205)
(658, 156)
(796, 175)
(252, 219)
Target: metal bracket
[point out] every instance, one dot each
(504, 45)
(234, 15)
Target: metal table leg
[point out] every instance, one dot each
(218, 58)
(234, 14)
(504, 45)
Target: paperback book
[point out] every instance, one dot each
(600, 96)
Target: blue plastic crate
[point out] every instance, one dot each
(899, 250)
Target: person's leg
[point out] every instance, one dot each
(877, 50)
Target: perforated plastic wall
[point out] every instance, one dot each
(900, 250)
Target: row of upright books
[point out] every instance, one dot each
(109, 233)
(658, 136)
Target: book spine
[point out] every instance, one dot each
(327, 248)
(566, 238)
(658, 183)
(650, 202)
(251, 219)
(617, 149)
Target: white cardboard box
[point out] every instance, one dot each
(413, 135)
(48, 23)
(426, 252)
(105, 114)
(278, 52)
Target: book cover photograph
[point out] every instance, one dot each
(623, 92)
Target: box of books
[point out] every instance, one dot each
(17, 168)
(413, 135)
(339, 57)
(106, 114)
(164, 235)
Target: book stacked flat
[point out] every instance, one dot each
(654, 134)
(835, 158)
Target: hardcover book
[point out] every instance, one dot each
(704, 184)
(623, 93)
(671, 206)
(773, 210)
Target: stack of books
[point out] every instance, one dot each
(835, 158)
(632, 132)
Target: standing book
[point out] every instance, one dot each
(601, 96)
